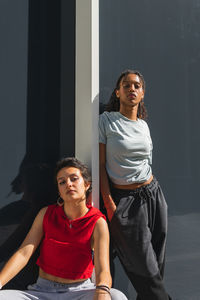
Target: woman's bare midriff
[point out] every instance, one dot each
(47, 276)
(133, 186)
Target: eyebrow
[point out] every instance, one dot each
(73, 174)
(60, 178)
(134, 81)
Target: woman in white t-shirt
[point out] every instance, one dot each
(133, 199)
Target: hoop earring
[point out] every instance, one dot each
(60, 201)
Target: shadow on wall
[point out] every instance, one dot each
(42, 141)
(35, 182)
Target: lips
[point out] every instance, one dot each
(70, 191)
(132, 96)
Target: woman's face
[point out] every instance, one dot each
(71, 184)
(130, 92)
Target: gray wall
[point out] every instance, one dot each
(13, 91)
(162, 40)
(30, 113)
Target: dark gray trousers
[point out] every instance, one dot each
(138, 231)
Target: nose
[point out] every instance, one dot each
(132, 87)
(68, 182)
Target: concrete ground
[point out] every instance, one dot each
(182, 274)
(183, 257)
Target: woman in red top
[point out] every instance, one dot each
(69, 232)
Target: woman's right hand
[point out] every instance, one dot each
(104, 184)
(110, 207)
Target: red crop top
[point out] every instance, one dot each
(66, 248)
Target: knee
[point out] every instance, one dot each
(117, 295)
(5, 294)
(13, 294)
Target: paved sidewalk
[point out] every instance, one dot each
(182, 274)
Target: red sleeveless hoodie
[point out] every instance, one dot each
(66, 248)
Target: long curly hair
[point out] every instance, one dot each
(114, 104)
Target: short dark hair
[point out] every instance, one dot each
(114, 104)
(75, 163)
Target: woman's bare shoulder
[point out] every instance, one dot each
(101, 226)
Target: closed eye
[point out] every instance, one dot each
(74, 178)
(126, 86)
(137, 86)
(62, 182)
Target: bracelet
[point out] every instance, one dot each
(103, 288)
(103, 285)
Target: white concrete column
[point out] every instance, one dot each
(87, 88)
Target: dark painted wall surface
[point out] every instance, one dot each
(31, 130)
(13, 90)
(162, 40)
(13, 118)
(30, 91)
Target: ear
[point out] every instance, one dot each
(142, 95)
(87, 185)
(117, 93)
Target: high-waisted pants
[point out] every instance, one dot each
(138, 231)
(48, 290)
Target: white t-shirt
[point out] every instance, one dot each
(128, 148)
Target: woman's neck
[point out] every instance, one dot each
(75, 211)
(130, 113)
